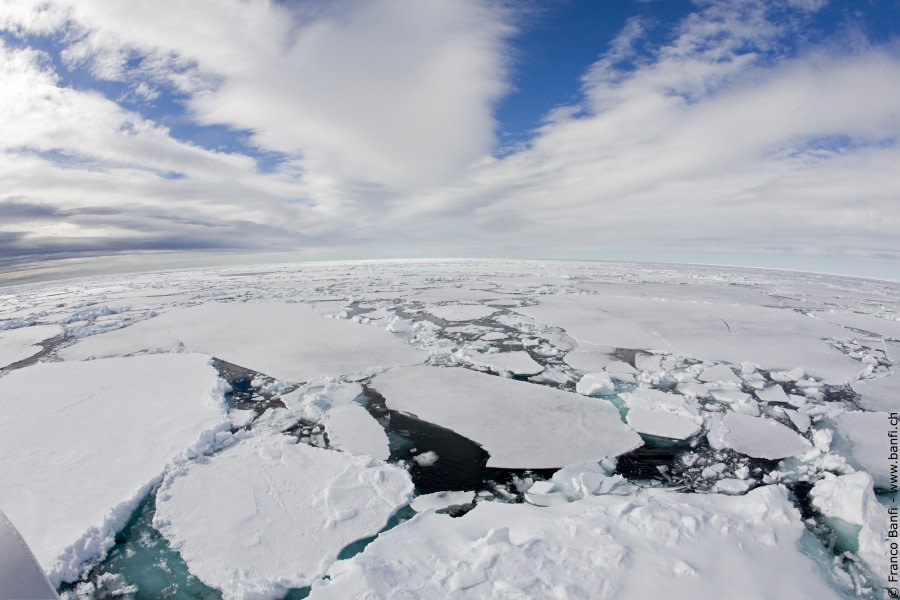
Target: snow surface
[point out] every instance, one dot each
(662, 545)
(521, 425)
(290, 342)
(81, 443)
(862, 438)
(21, 343)
(657, 413)
(758, 437)
(269, 514)
(441, 500)
(352, 429)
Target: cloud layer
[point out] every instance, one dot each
(361, 129)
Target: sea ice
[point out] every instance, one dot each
(517, 363)
(657, 413)
(287, 341)
(757, 437)
(862, 438)
(81, 443)
(773, 394)
(595, 383)
(461, 312)
(882, 394)
(654, 545)
(851, 498)
(352, 429)
(521, 425)
(21, 343)
(269, 514)
(441, 500)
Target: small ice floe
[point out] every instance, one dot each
(773, 395)
(595, 383)
(269, 514)
(863, 439)
(721, 373)
(757, 437)
(657, 413)
(521, 425)
(441, 500)
(517, 363)
(426, 459)
(461, 312)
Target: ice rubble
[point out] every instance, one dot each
(81, 444)
(21, 343)
(652, 545)
(851, 499)
(287, 341)
(269, 514)
(657, 413)
(758, 437)
(521, 425)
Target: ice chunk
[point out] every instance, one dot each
(544, 493)
(664, 545)
(352, 429)
(852, 499)
(654, 412)
(81, 442)
(521, 425)
(426, 459)
(773, 394)
(756, 436)
(862, 438)
(732, 486)
(595, 383)
(441, 500)
(721, 373)
(291, 342)
(588, 361)
(269, 514)
(737, 400)
(800, 420)
(517, 363)
(590, 479)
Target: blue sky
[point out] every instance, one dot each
(743, 132)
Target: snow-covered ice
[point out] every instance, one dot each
(882, 394)
(81, 444)
(352, 429)
(595, 383)
(661, 545)
(290, 342)
(22, 342)
(521, 425)
(461, 312)
(441, 500)
(758, 437)
(517, 363)
(661, 414)
(269, 514)
(862, 438)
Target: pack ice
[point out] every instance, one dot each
(521, 425)
(82, 443)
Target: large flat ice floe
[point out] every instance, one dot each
(716, 329)
(521, 425)
(269, 514)
(664, 545)
(287, 341)
(81, 442)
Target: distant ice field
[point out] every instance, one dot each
(475, 428)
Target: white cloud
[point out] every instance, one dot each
(722, 140)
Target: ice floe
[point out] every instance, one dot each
(758, 437)
(22, 342)
(661, 414)
(521, 425)
(441, 500)
(661, 545)
(290, 342)
(269, 514)
(862, 438)
(81, 444)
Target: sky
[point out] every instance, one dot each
(743, 132)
